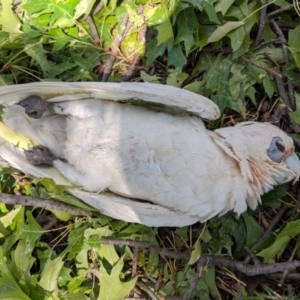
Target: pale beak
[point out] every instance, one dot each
(293, 164)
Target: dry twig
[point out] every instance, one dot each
(42, 203)
(234, 265)
(116, 45)
(143, 287)
(194, 281)
(262, 22)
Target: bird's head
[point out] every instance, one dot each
(263, 153)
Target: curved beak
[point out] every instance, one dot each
(293, 164)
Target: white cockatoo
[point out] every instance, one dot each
(140, 165)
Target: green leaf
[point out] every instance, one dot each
(9, 20)
(8, 286)
(295, 115)
(38, 54)
(176, 57)
(237, 38)
(188, 24)
(31, 233)
(293, 39)
(49, 276)
(111, 287)
(176, 78)
(217, 82)
(223, 5)
(254, 230)
(8, 219)
(84, 7)
(221, 31)
(165, 32)
(196, 253)
(210, 10)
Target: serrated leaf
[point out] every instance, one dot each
(188, 24)
(31, 233)
(8, 285)
(223, 5)
(84, 7)
(217, 82)
(38, 54)
(111, 287)
(165, 32)
(295, 115)
(8, 219)
(221, 31)
(196, 253)
(176, 57)
(237, 38)
(254, 230)
(50, 273)
(9, 20)
(294, 40)
(211, 12)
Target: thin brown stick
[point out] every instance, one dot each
(98, 8)
(273, 223)
(280, 10)
(272, 41)
(247, 269)
(279, 82)
(253, 257)
(194, 282)
(116, 45)
(160, 277)
(42, 203)
(285, 272)
(143, 244)
(143, 287)
(286, 61)
(262, 22)
(290, 276)
(270, 228)
(277, 115)
(94, 30)
(239, 295)
(254, 63)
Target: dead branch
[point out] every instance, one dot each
(42, 203)
(256, 64)
(143, 244)
(115, 48)
(279, 83)
(286, 61)
(143, 287)
(94, 30)
(194, 281)
(262, 22)
(280, 10)
(249, 270)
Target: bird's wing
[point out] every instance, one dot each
(16, 158)
(128, 210)
(148, 92)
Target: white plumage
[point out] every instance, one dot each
(142, 166)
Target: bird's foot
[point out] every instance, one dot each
(39, 155)
(35, 106)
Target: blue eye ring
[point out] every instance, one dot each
(276, 149)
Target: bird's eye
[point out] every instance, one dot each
(280, 146)
(276, 149)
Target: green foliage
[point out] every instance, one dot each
(52, 40)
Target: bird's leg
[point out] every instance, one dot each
(40, 155)
(35, 106)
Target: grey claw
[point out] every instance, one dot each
(39, 155)
(35, 106)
